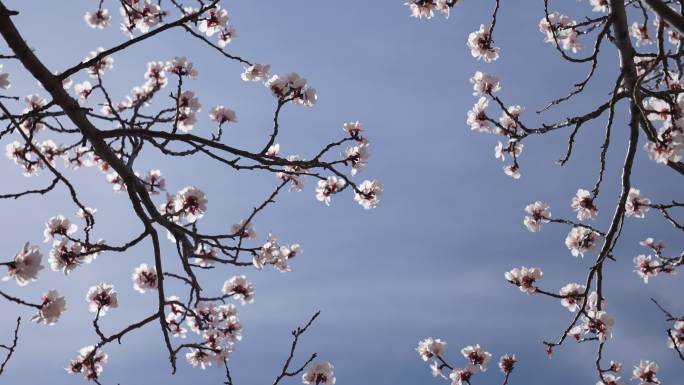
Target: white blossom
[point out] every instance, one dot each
(676, 340)
(51, 308)
(256, 72)
(243, 230)
(226, 35)
(213, 21)
(273, 150)
(580, 240)
(274, 254)
(509, 121)
(476, 356)
(646, 373)
(429, 348)
(484, 84)
(117, 182)
(599, 5)
(65, 257)
(239, 289)
(101, 298)
(144, 278)
(560, 30)
(368, 194)
(524, 278)
(154, 182)
(572, 294)
(645, 267)
(191, 202)
(99, 66)
(221, 114)
(181, 67)
(512, 170)
(425, 8)
(155, 75)
(610, 379)
(327, 187)
(4, 79)
(88, 362)
(461, 376)
(98, 19)
(636, 205)
(480, 44)
(583, 204)
(205, 255)
(25, 265)
(198, 357)
(320, 373)
(141, 16)
(640, 33)
(354, 130)
(477, 118)
(599, 323)
(507, 363)
(537, 214)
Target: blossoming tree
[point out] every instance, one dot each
(74, 122)
(647, 37)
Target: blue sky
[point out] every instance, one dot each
(428, 262)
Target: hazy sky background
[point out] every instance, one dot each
(428, 262)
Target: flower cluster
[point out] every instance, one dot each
(272, 253)
(664, 128)
(215, 21)
(292, 87)
(609, 376)
(594, 321)
(647, 266)
(187, 106)
(100, 65)
(477, 359)
(140, 15)
(326, 188)
(507, 125)
(88, 362)
(427, 8)
(524, 278)
(668, 142)
(290, 173)
(561, 31)
(218, 326)
(357, 157)
(73, 246)
(67, 253)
